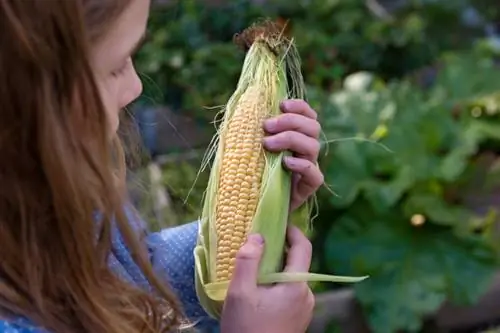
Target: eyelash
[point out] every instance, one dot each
(122, 69)
(119, 71)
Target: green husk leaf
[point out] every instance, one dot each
(217, 290)
(281, 277)
(272, 62)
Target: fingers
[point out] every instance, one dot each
(298, 106)
(300, 251)
(296, 130)
(310, 176)
(246, 269)
(300, 144)
(293, 122)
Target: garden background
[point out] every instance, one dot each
(407, 93)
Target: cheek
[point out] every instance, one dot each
(109, 92)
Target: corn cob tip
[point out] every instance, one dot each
(266, 30)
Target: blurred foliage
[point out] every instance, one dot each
(401, 216)
(408, 100)
(193, 63)
(186, 188)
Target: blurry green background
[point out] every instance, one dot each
(407, 93)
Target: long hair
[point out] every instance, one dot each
(58, 168)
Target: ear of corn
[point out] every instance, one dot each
(248, 189)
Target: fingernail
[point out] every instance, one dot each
(290, 161)
(270, 142)
(256, 239)
(284, 105)
(270, 124)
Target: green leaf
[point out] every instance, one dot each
(412, 270)
(489, 130)
(384, 195)
(346, 172)
(455, 162)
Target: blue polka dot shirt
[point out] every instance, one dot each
(171, 253)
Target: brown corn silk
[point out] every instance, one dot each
(248, 189)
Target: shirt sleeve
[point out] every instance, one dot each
(18, 326)
(171, 252)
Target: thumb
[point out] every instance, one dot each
(246, 267)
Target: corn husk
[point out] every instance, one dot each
(271, 61)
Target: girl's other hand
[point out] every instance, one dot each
(283, 307)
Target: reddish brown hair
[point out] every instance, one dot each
(57, 168)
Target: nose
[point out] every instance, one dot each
(133, 89)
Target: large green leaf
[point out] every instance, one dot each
(347, 173)
(384, 195)
(413, 270)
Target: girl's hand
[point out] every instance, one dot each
(282, 307)
(297, 130)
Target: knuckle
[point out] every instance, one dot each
(309, 169)
(298, 291)
(304, 244)
(243, 254)
(314, 114)
(280, 120)
(287, 120)
(246, 252)
(317, 147)
(321, 178)
(289, 136)
(305, 295)
(311, 300)
(308, 248)
(317, 129)
(235, 294)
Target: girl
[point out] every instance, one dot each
(74, 258)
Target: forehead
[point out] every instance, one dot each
(123, 34)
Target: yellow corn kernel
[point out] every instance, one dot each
(239, 180)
